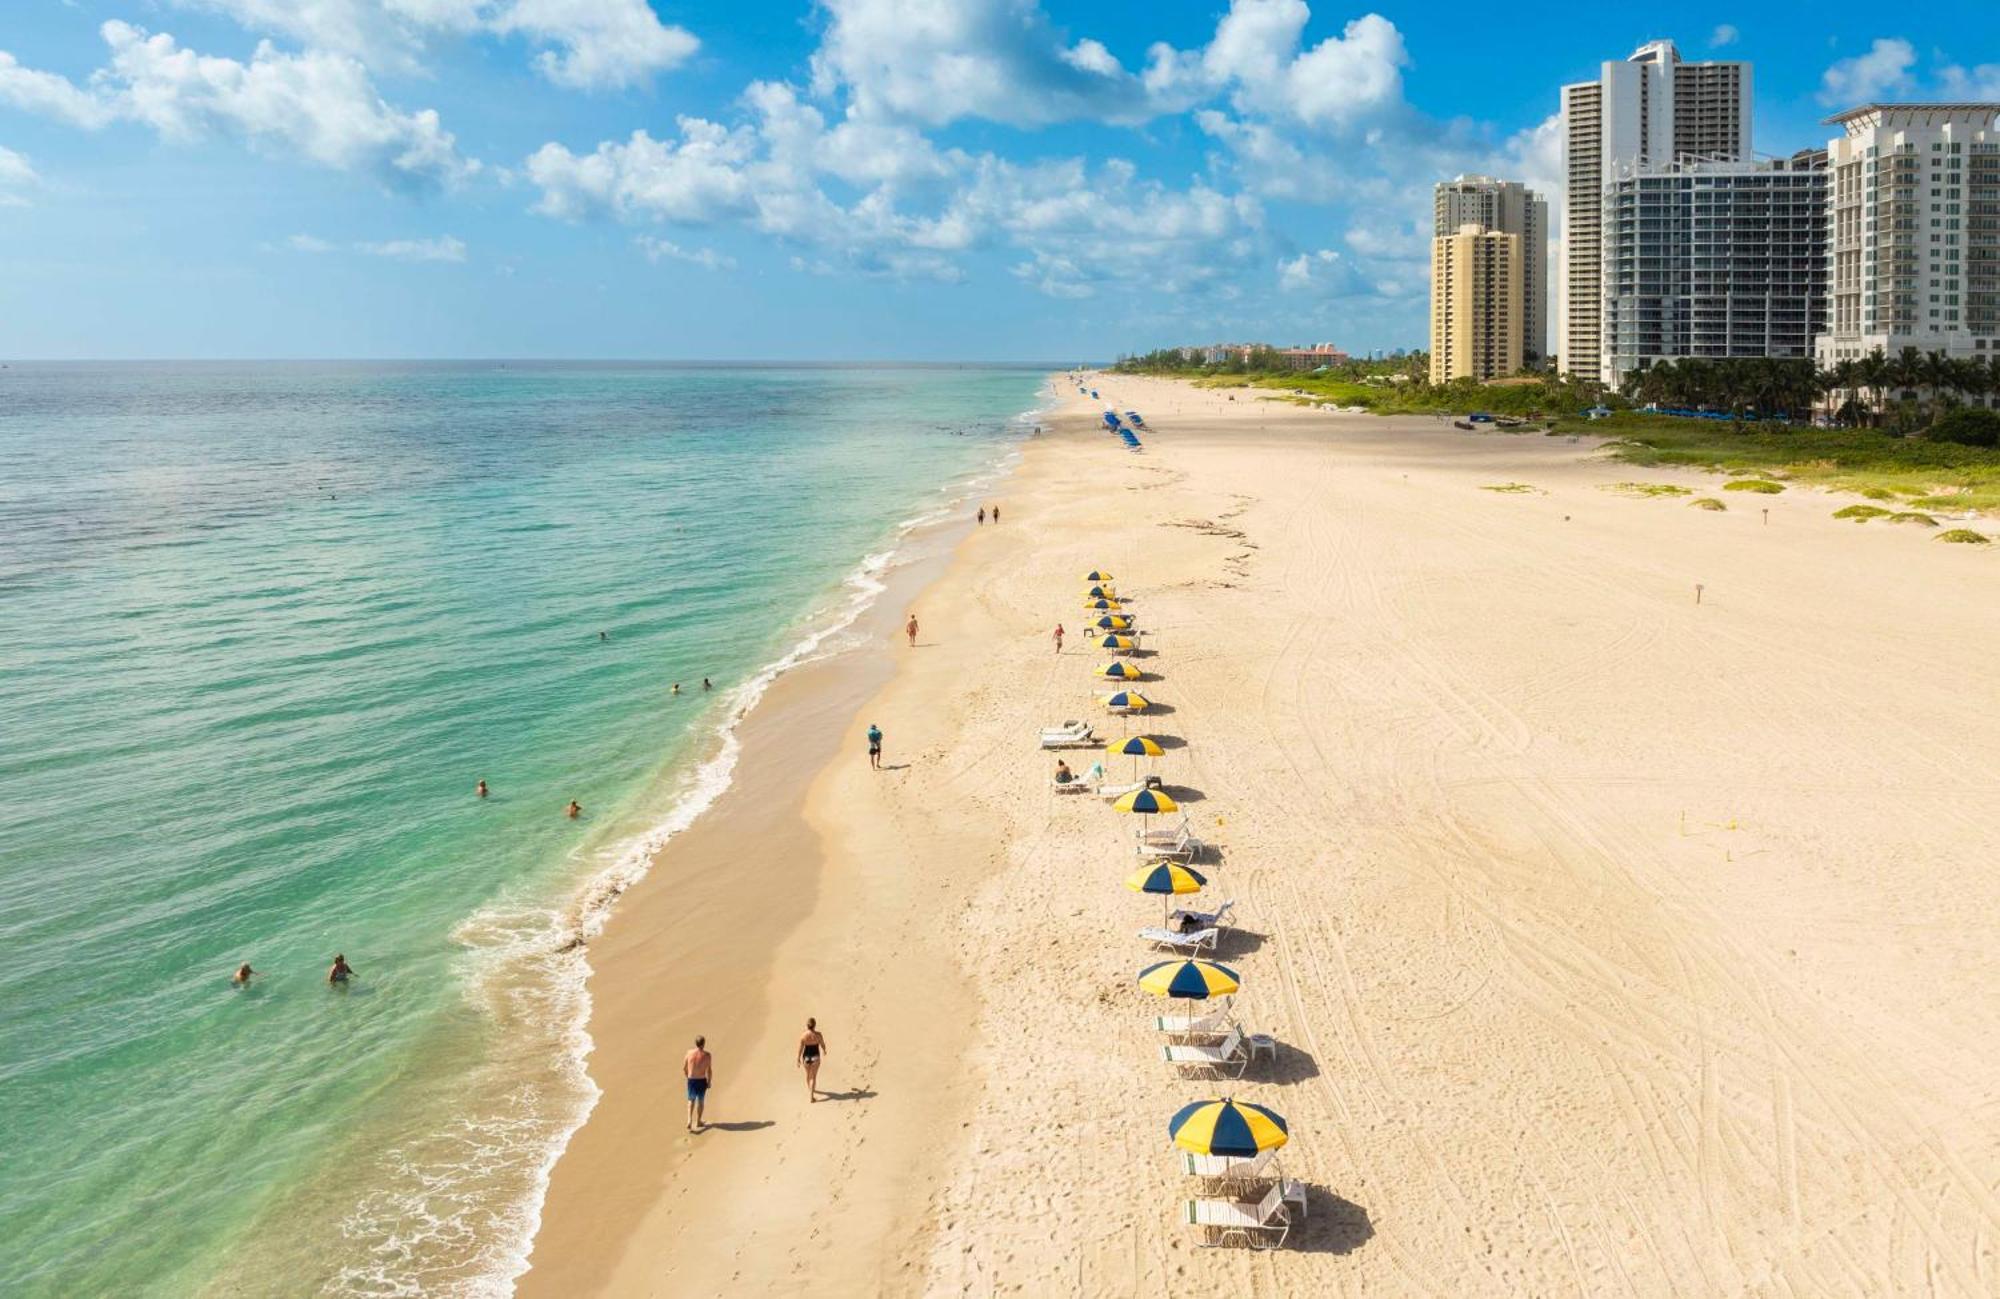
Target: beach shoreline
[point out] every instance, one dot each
(1560, 892)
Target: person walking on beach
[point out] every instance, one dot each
(574, 810)
(812, 1048)
(982, 514)
(242, 976)
(910, 629)
(698, 1066)
(996, 514)
(875, 746)
(341, 971)
(1059, 636)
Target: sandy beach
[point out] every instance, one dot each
(1614, 943)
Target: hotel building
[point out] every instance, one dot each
(1512, 208)
(1476, 304)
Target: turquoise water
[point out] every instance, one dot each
(261, 629)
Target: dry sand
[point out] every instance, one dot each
(1616, 944)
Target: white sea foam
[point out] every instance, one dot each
(531, 964)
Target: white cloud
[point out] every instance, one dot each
(1979, 83)
(317, 106)
(1724, 34)
(1884, 71)
(16, 174)
(582, 44)
(1257, 57)
(658, 250)
(1003, 60)
(445, 248)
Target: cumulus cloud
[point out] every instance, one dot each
(582, 44)
(1258, 58)
(318, 106)
(16, 176)
(658, 250)
(1977, 83)
(1883, 72)
(1724, 34)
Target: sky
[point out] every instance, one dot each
(934, 180)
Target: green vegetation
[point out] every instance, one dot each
(1762, 486)
(1877, 493)
(1649, 489)
(1707, 503)
(1917, 517)
(1968, 427)
(1963, 537)
(1861, 513)
(1511, 488)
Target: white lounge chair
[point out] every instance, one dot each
(1182, 917)
(1119, 791)
(1201, 940)
(1229, 1168)
(1178, 842)
(1261, 1225)
(1074, 785)
(1214, 1023)
(1227, 1057)
(1071, 734)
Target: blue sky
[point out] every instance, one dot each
(865, 179)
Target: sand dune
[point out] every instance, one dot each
(1615, 943)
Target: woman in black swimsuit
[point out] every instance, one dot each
(812, 1047)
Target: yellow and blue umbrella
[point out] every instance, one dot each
(1189, 980)
(1114, 622)
(1097, 575)
(1134, 747)
(1166, 877)
(1118, 644)
(1101, 593)
(1234, 1129)
(1122, 671)
(1128, 699)
(1102, 605)
(1147, 802)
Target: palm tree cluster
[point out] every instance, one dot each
(1905, 392)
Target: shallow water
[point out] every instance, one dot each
(261, 628)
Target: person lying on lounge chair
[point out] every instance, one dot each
(1063, 773)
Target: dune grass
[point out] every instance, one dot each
(1917, 517)
(1512, 489)
(1648, 489)
(1707, 503)
(1763, 486)
(1862, 513)
(1964, 537)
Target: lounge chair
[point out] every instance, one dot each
(1183, 918)
(1202, 940)
(1074, 785)
(1227, 1057)
(1177, 842)
(1261, 1225)
(1214, 1023)
(1119, 791)
(1229, 1168)
(1069, 735)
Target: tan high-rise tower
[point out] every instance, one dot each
(1512, 208)
(1477, 309)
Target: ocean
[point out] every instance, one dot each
(262, 628)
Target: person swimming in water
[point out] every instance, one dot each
(574, 810)
(480, 788)
(812, 1049)
(706, 684)
(242, 976)
(341, 971)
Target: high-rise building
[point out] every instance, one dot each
(1650, 108)
(1512, 208)
(1476, 304)
(1713, 259)
(1914, 226)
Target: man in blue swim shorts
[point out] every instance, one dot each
(699, 1067)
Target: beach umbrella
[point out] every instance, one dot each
(1135, 747)
(1118, 644)
(1101, 592)
(1097, 575)
(1147, 802)
(1235, 1129)
(1168, 879)
(1189, 980)
(1122, 671)
(1131, 699)
(1102, 604)
(1115, 622)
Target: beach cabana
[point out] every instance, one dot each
(1122, 671)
